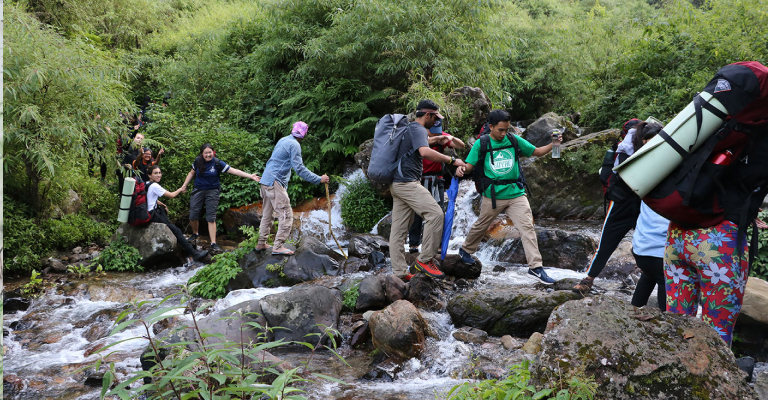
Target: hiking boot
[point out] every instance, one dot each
(466, 257)
(199, 255)
(215, 248)
(429, 268)
(192, 238)
(541, 275)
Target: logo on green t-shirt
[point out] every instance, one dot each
(503, 161)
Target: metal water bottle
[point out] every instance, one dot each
(555, 147)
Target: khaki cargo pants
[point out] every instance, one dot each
(275, 200)
(519, 212)
(407, 198)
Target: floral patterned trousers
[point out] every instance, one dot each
(704, 266)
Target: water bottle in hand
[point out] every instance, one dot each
(555, 146)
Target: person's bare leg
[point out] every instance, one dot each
(194, 226)
(212, 231)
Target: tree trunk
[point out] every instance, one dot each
(34, 185)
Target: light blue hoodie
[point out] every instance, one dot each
(287, 155)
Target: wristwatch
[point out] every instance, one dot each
(453, 159)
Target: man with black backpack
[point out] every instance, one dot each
(501, 182)
(409, 196)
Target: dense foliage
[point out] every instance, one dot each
(759, 267)
(516, 386)
(361, 206)
(238, 73)
(119, 256)
(211, 281)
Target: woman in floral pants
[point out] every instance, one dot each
(708, 266)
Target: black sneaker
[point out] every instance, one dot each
(199, 255)
(215, 247)
(466, 257)
(541, 275)
(192, 238)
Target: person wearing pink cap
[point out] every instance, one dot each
(274, 185)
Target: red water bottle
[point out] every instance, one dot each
(722, 158)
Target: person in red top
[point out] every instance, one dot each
(432, 178)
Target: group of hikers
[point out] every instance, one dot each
(690, 264)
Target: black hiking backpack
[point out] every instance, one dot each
(482, 181)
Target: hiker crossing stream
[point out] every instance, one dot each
(50, 345)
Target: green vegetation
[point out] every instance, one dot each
(211, 281)
(35, 285)
(206, 365)
(759, 268)
(119, 256)
(516, 386)
(239, 73)
(361, 206)
(350, 297)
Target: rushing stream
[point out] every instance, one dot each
(48, 346)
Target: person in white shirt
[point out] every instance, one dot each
(160, 214)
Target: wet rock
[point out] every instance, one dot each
(761, 385)
(362, 159)
(539, 133)
(13, 305)
(559, 248)
(499, 268)
(755, 303)
(453, 266)
(96, 332)
(501, 311)
(115, 293)
(394, 288)
(12, 386)
(234, 218)
(372, 294)
(478, 102)
(509, 342)
(562, 189)
(399, 330)
(361, 335)
(94, 380)
(313, 259)
(367, 315)
(57, 266)
(363, 244)
(621, 263)
(302, 310)
(425, 292)
(533, 345)
(354, 264)
(384, 227)
(638, 353)
(385, 371)
(468, 334)
(156, 244)
(377, 260)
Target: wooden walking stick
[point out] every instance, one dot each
(330, 227)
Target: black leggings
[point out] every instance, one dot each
(652, 276)
(620, 218)
(160, 215)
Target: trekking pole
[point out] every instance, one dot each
(330, 227)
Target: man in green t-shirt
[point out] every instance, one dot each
(509, 196)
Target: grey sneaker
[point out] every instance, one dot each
(541, 275)
(215, 248)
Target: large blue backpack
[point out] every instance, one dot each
(389, 134)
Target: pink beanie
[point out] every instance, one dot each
(299, 130)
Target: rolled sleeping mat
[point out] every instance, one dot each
(125, 199)
(658, 158)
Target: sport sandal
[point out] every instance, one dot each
(585, 286)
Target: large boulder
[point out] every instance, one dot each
(234, 218)
(507, 310)
(539, 133)
(568, 187)
(559, 248)
(477, 101)
(453, 266)
(372, 295)
(156, 244)
(384, 226)
(638, 353)
(303, 310)
(311, 260)
(426, 293)
(399, 330)
(362, 159)
(363, 244)
(752, 326)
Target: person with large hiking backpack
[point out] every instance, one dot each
(610, 159)
(274, 188)
(207, 169)
(159, 211)
(623, 207)
(432, 178)
(397, 159)
(713, 195)
(495, 163)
